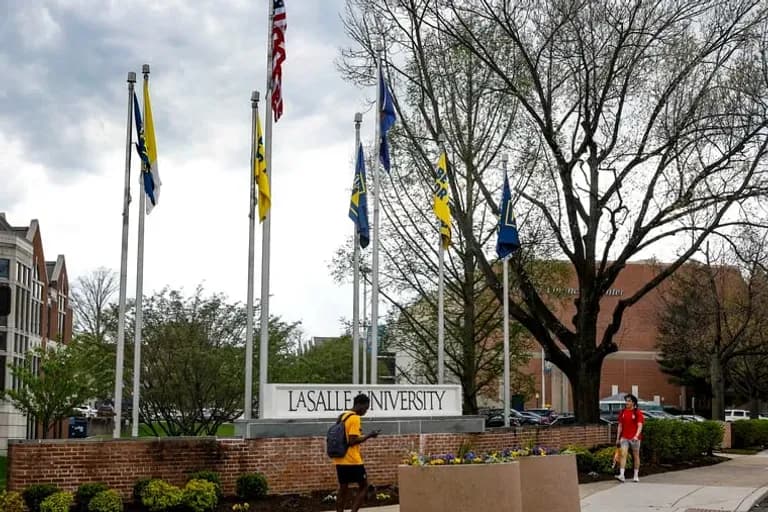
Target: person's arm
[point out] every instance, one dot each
(618, 429)
(353, 440)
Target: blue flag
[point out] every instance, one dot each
(358, 204)
(508, 241)
(141, 144)
(387, 118)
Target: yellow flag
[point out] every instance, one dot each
(260, 173)
(442, 210)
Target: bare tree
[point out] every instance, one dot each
(652, 121)
(440, 89)
(91, 295)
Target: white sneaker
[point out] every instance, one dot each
(636, 479)
(620, 478)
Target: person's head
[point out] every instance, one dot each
(630, 401)
(360, 404)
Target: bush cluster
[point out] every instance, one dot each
(750, 433)
(86, 492)
(198, 495)
(106, 501)
(36, 493)
(666, 441)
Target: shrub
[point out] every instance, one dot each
(106, 501)
(585, 459)
(208, 476)
(750, 433)
(199, 496)
(59, 502)
(251, 486)
(159, 496)
(712, 435)
(138, 489)
(85, 492)
(604, 460)
(36, 493)
(12, 502)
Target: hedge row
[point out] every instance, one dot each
(750, 433)
(663, 441)
(201, 493)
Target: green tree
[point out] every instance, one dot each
(193, 360)
(51, 382)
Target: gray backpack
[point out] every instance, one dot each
(336, 444)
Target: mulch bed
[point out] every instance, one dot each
(318, 501)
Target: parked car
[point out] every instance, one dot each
(563, 419)
(692, 417)
(533, 418)
(85, 411)
(495, 418)
(105, 411)
(736, 414)
(547, 415)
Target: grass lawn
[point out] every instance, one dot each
(3, 463)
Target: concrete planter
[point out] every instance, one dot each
(460, 487)
(530, 484)
(549, 483)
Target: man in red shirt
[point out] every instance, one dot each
(629, 434)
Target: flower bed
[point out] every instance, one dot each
(532, 479)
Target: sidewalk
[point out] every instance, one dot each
(733, 486)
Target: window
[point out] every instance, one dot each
(3, 341)
(5, 268)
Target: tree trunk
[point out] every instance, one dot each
(586, 393)
(754, 405)
(717, 381)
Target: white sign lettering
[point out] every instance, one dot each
(288, 401)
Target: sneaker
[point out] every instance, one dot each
(620, 478)
(636, 479)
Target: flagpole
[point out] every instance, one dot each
(248, 402)
(124, 260)
(505, 264)
(441, 291)
(375, 256)
(139, 289)
(356, 274)
(265, 228)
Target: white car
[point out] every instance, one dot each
(85, 410)
(736, 414)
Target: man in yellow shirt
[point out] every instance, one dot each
(350, 469)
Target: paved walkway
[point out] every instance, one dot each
(733, 486)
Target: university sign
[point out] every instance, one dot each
(305, 401)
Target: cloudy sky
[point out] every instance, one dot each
(63, 107)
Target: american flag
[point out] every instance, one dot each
(278, 56)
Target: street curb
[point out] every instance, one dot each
(755, 497)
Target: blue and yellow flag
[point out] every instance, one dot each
(387, 118)
(260, 173)
(508, 241)
(440, 203)
(150, 172)
(358, 204)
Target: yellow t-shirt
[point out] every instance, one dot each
(352, 428)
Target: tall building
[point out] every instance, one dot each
(41, 314)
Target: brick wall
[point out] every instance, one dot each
(290, 464)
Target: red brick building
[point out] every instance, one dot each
(41, 312)
(634, 368)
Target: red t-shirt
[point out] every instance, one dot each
(629, 419)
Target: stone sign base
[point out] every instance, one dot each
(250, 429)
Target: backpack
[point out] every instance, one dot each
(336, 443)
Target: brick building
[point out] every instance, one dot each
(41, 313)
(634, 368)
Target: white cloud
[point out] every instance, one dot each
(62, 143)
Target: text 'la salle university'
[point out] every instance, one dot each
(384, 400)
